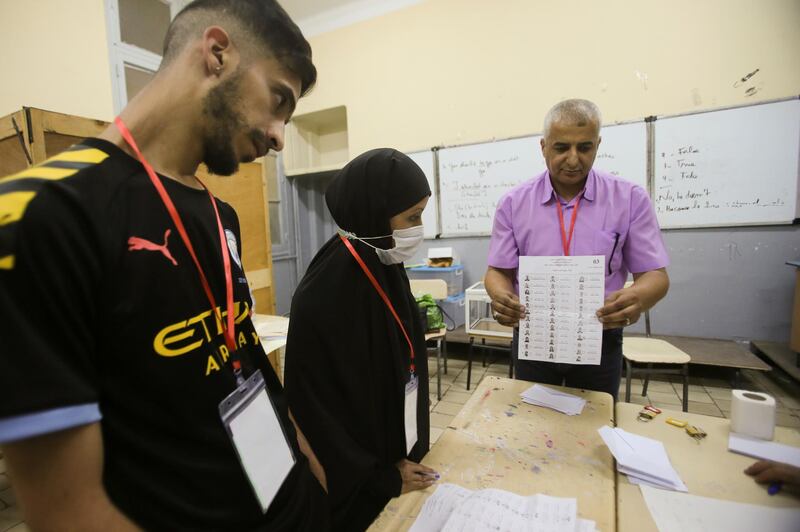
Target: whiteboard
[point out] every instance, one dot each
(623, 152)
(473, 178)
(424, 160)
(730, 167)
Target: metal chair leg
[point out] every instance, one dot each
(444, 353)
(438, 369)
(646, 380)
(685, 387)
(469, 361)
(484, 350)
(628, 371)
(512, 359)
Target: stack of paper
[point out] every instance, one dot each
(767, 450)
(453, 508)
(681, 512)
(644, 460)
(565, 403)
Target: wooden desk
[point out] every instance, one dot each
(708, 469)
(500, 442)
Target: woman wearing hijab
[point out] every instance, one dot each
(352, 361)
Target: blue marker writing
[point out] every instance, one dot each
(774, 488)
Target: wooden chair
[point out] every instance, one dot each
(650, 351)
(437, 288)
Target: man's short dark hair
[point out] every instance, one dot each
(262, 24)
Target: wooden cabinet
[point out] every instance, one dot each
(30, 136)
(316, 142)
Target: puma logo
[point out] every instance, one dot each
(135, 244)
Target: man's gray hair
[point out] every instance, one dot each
(574, 112)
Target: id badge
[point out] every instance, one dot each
(411, 413)
(257, 435)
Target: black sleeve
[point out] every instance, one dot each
(48, 294)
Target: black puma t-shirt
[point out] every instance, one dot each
(104, 318)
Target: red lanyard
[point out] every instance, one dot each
(566, 241)
(227, 328)
(383, 295)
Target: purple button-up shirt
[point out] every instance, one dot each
(615, 219)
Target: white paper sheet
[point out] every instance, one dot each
(641, 457)
(562, 295)
(452, 508)
(681, 512)
(438, 507)
(563, 402)
(767, 450)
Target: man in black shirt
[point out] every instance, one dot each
(112, 357)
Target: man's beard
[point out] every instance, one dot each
(223, 122)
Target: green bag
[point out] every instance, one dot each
(430, 313)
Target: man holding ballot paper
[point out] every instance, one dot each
(561, 248)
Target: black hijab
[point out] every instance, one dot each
(347, 361)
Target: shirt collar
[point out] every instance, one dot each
(548, 193)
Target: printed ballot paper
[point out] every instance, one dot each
(561, 295)
(452, 508)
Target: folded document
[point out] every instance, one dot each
(563, 402)
(644, 460)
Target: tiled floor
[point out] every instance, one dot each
(708, 394)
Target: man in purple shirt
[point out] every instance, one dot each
(572, 209)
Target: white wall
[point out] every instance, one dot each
(55, 57)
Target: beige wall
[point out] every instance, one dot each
(456, 71)
(54, 55)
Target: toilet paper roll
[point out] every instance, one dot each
(753, 414)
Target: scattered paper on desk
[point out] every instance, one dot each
(681, 512)
(452, 508)
(644, 460)
(563, 402)
(766, 450)
(561, 295)
(438, 508)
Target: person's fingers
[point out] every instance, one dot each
(771, 474)
(508, 308)
(758, 467)
(614, 306)
(420, 468)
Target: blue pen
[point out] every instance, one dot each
(435, 476)
(774, 488)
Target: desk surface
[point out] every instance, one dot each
(500, 442)
(708, 469)
(712, 352)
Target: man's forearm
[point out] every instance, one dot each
(651, 287)
(58, 479)
(498, 282)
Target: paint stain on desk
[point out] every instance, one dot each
(549, 444)
(509, 413)
(536, 469)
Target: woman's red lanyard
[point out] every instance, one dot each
(227, 328)
(566, 241)
(383, 295)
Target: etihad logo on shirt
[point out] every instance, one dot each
(192, 334)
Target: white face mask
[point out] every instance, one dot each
(406, 244)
